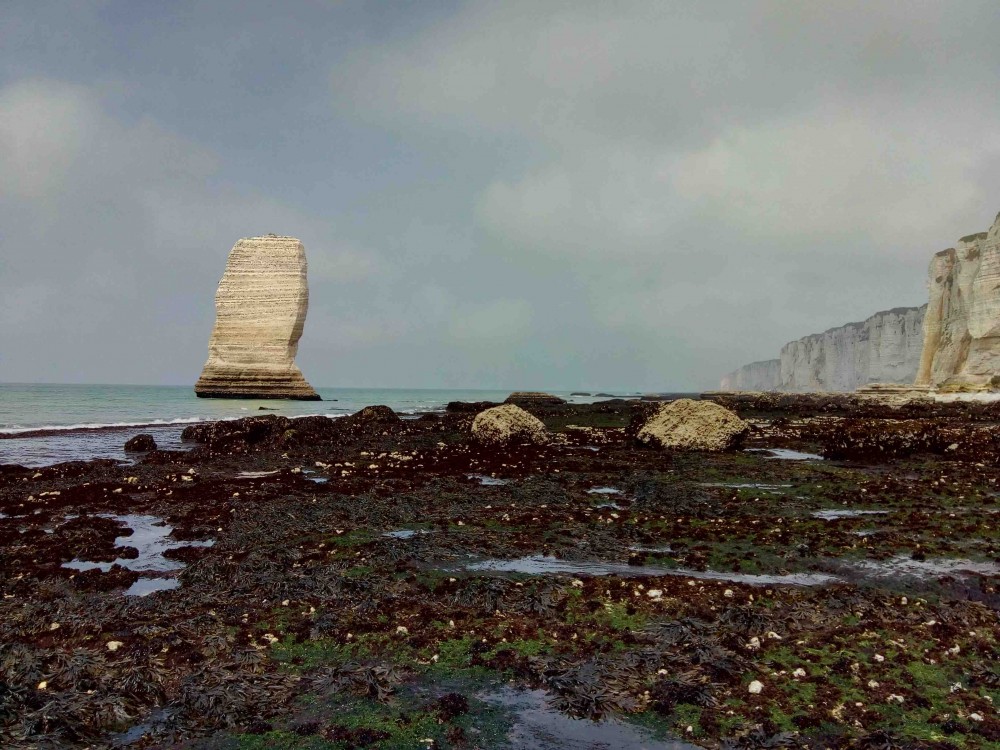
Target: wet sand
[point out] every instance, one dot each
(376, 582)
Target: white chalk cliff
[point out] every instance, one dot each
(756, 376)
(261, 307)
(962, 328)
(885, 348)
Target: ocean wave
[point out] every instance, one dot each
(17, 430)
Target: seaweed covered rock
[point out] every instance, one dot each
(534, 398)
(140, 444)
(686, 424)
(469, 407)
(508, 424)
(873, 439)
(237, 435)
(378, 414)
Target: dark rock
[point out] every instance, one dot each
(877, 438)
(141, 444)
(238, 436)
(451, 705)
(469, 407)
(372, 420)
(534, 398)
(194, 433)
(378, 414)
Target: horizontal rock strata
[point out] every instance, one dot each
(962, 329)
(261, 307)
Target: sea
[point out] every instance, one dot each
(45, 424)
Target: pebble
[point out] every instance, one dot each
(756, 687)
(800, 672)
(114, 645)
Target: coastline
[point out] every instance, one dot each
(372, 566)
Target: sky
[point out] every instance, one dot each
(521, 194)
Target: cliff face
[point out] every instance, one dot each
(756, 376)
(885, 348)
(261, 307)
(962, 330)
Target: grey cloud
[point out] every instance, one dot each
(521, 194)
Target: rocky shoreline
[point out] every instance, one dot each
(377, 582)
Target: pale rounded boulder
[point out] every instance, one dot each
(693, 425)
(507, 424)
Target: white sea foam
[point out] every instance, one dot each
(16, 430)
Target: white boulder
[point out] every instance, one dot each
(686, 424)
(508, 424)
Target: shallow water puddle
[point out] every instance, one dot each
(405, 533)
(833, 515)
(150, 537)
(604, 491)
(256, 474)
(157, 720)
(538, 726)
(899, 566)
(771, 489)
(785, 454)
(310, 474)
(487, 481)
(543, 564)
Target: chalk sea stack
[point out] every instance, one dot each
(260, 308)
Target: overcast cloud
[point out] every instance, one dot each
(639, 195)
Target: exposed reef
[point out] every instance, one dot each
(379, 582)
(261, 307)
